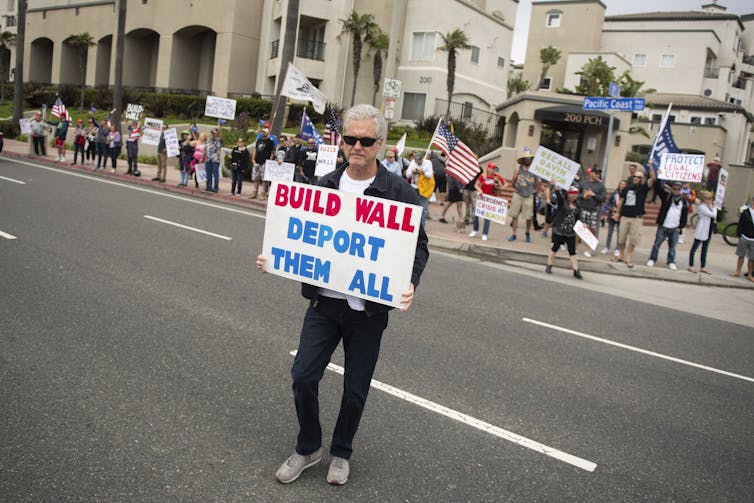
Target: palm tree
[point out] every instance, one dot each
(82, 42)
(630, 87)
(453, 41)
(548, 56)
(379, 42)
(596, 76)
(361, 28)
(7, 40)
(517, 85)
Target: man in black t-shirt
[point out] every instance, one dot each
(309, 162)
(264, 149)
(631, 210)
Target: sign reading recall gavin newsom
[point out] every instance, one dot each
(554, 167)
(357, 245)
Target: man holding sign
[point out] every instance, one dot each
(334, 315)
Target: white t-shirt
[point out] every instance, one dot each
(348, 184)
(673, 216)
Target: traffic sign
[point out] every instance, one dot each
(391, 88)
(614, 90)
(602, 103)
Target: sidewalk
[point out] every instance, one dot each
(721, 258)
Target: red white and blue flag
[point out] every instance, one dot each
(60, 111)
(332, 128)
(461, 163)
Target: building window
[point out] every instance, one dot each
(500, 62)
(11, 5)
(667, 61)
(423, 46)
(10, 21)
(710, 121)
(694, 119)
(553, 19)
(475, 54)
(413, 106)
(640, 59)
(546, 83)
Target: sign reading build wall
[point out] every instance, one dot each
(134, 111)
(357, 245)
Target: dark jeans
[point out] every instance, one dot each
(39, 145)
(132, 154)
(102, 154)
(694, 247)
(327, 321)
(76, 149)
(213, 175)
(114, 153)
(485, 226)
(664, 233)
(236, 180)
(612, 225)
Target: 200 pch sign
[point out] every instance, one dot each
(357, 245)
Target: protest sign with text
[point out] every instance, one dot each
(554, 167)
(25, 125)
(357, 245)
(151, 131)
(327, 158)
(682, 167)
(278, 171)
(722, 182)
(222, 108)
(586, 235)
(171, 142)
(200, 172)
(492, 208)
(134, 111)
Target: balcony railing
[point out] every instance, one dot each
(712, 73)
(311, 49)
(274, 49)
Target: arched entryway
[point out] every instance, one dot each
(511, 130)
(40, 60)
(193, 59)
(140, 58)
(104, 50)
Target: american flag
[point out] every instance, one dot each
(332, 129)
(60, 111)
(461, 162)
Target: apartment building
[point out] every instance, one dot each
(232, 48)
(698, 61)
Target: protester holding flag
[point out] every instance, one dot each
(631, 212)
(61, 131)
(333, 316)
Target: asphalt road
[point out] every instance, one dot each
(140, 361)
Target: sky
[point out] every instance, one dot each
(623, 7)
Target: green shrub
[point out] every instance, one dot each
(10, 129)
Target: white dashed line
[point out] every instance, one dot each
(194, 229)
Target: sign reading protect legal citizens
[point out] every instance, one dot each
(357, 245)
(682, 167)
(554, 167)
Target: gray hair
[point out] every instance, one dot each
(366, 112)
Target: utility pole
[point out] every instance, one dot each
(119, 49)
(18, 84)
(288, 51)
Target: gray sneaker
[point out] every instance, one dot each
(294, 465)
(338, 472)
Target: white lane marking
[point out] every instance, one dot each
(12, 180)
(639, 350)
(7, 236)
(188, 228)
(126, 185)
(476, 423)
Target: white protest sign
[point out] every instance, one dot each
(357, 245)
(274, 171)
(554, 167)
(171, 142)
(327, 158)
(722, 182)
(222, 108)
(492, 208)
(682, 167)
(25, 126)
(201, 172)
(297, 87)
(586, 235)
(134, 111)
(150, 133)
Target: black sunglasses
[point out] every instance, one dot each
(364, 140)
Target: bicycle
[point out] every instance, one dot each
(729, 231)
